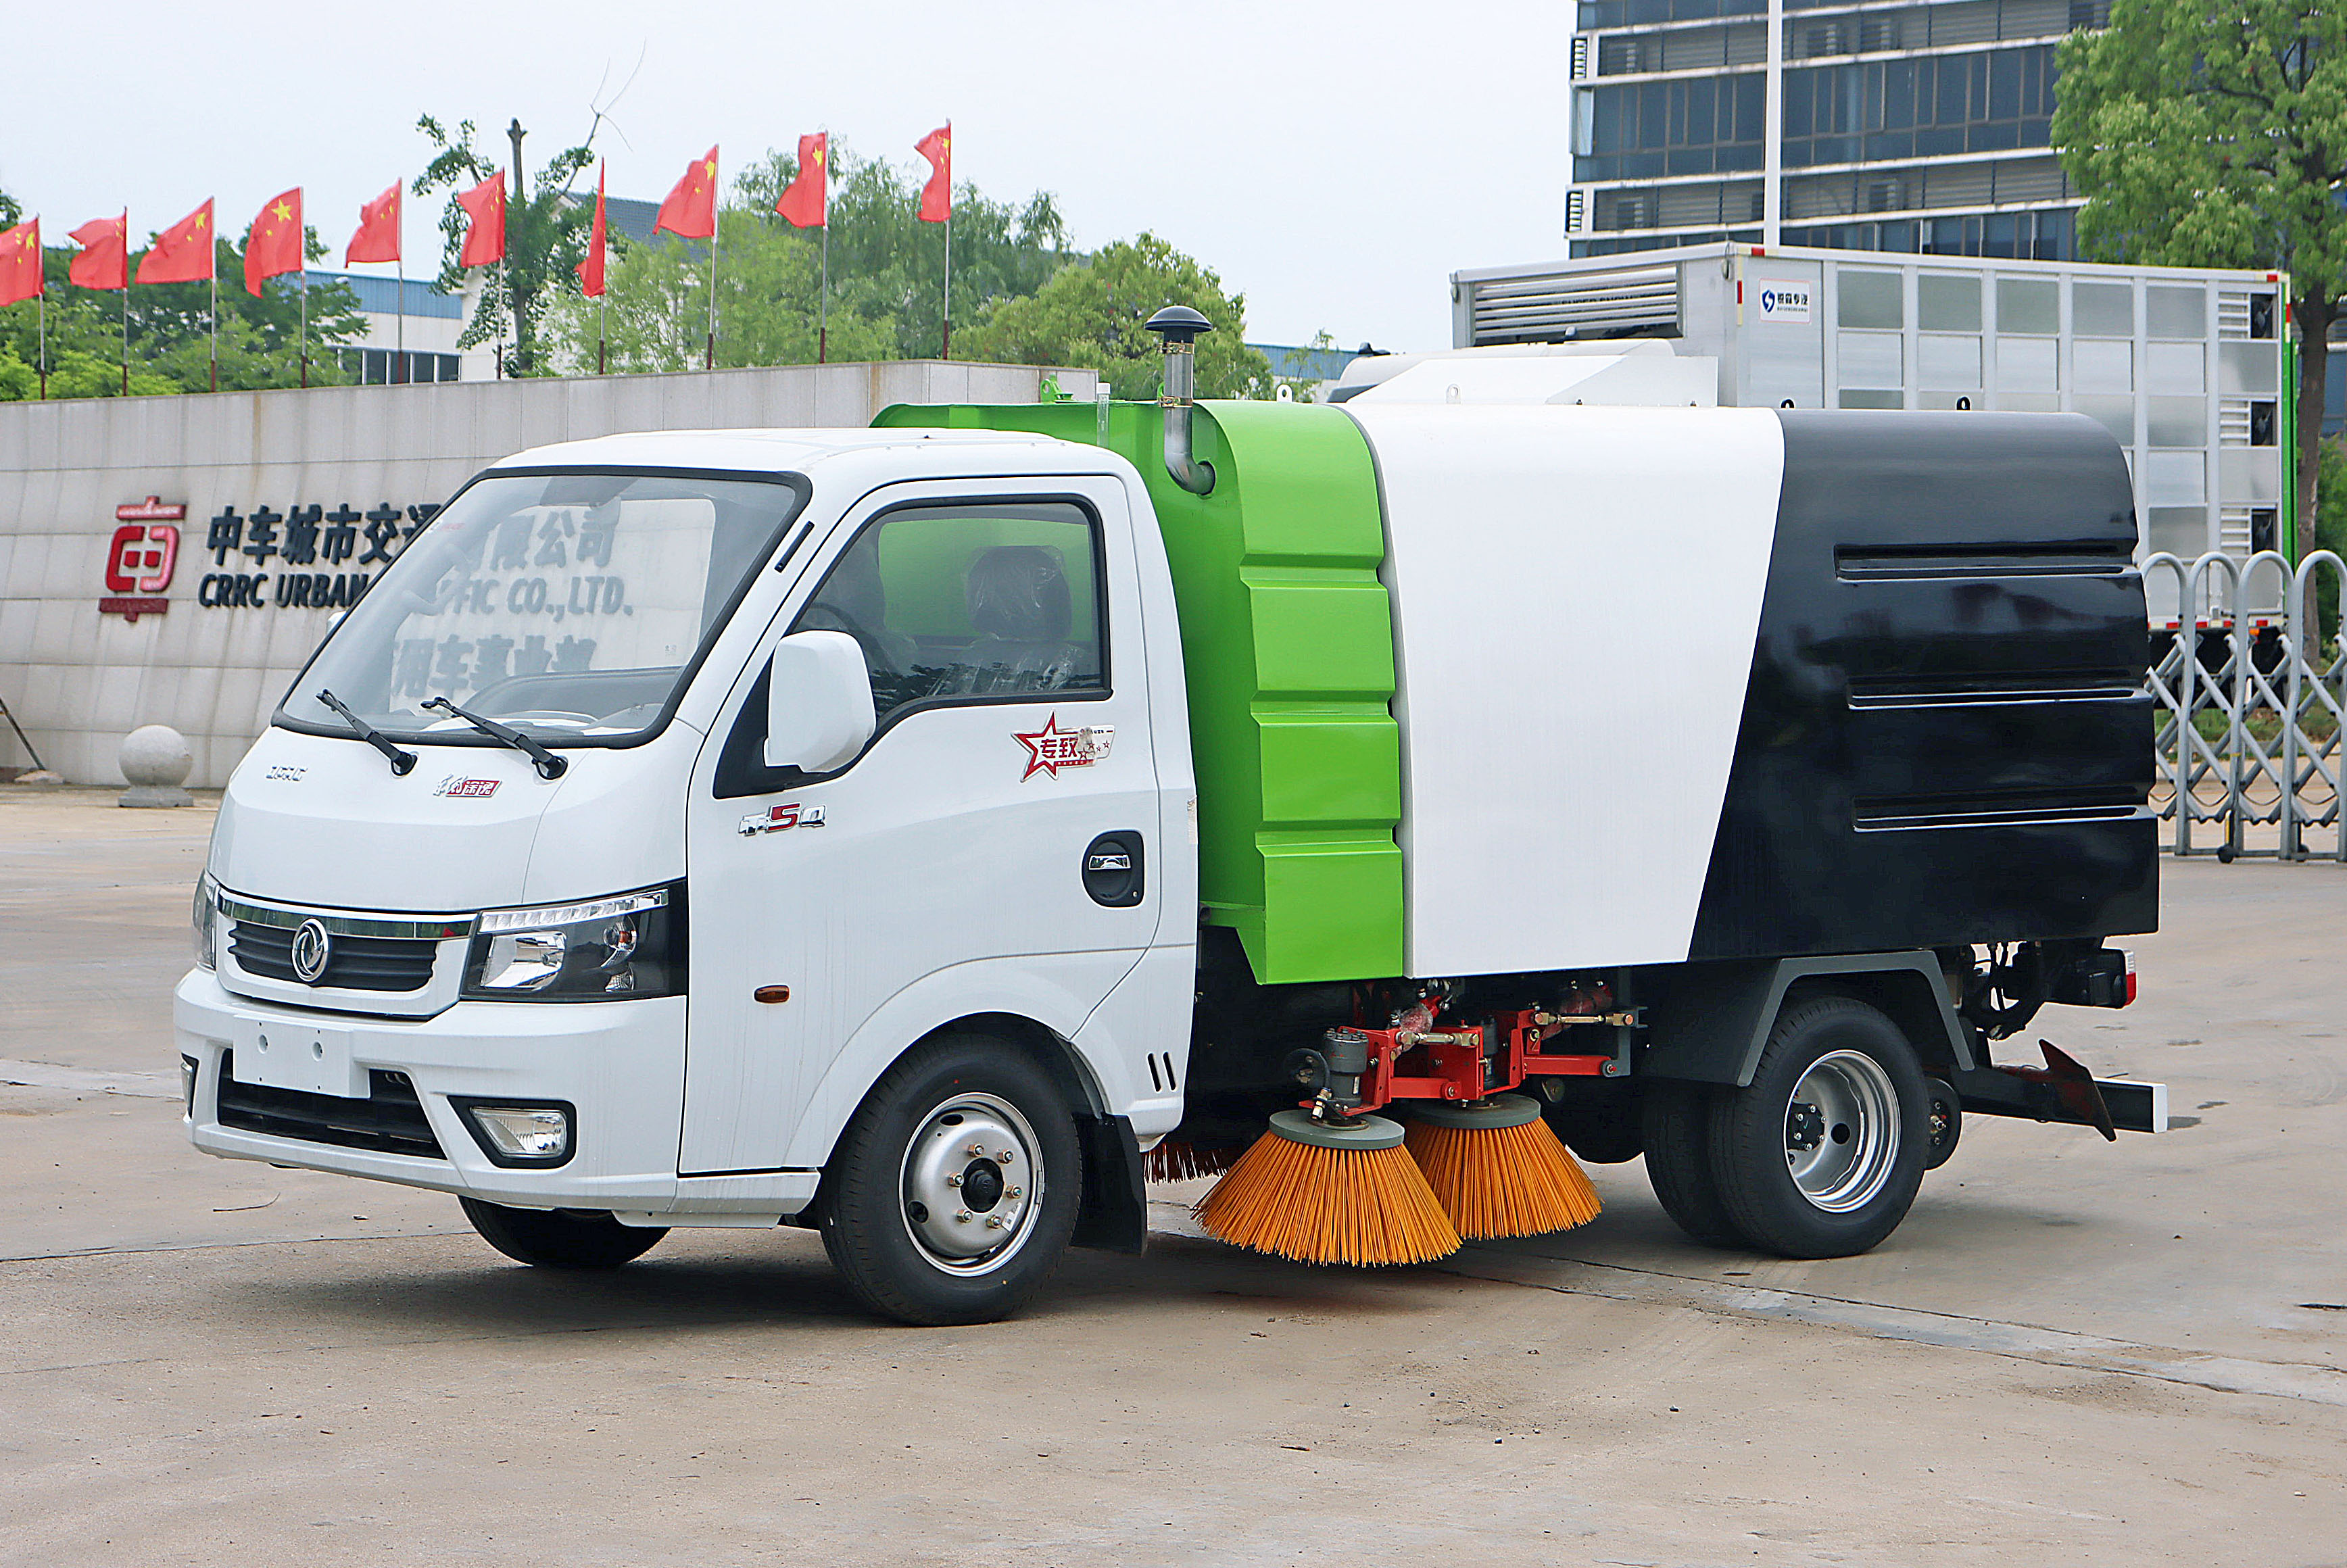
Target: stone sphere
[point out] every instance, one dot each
(156, 756)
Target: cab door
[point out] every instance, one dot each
(992, 847)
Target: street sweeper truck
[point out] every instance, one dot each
(928, 834)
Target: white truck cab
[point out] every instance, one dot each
(602, 916)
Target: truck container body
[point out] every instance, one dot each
(902, 833)
(2190, 369)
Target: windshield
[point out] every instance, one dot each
(570, 606)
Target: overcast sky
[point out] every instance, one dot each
(1334, 162)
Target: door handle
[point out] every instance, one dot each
(1112, 869)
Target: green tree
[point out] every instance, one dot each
(2216, 136)
(2331, 531)
(1090, 316)
(655, 312)
(886, 275)
(546, 239)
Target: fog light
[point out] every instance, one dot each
(525, 1133)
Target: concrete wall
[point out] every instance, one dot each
(79, 677)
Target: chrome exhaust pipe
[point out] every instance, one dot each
(1180, 325)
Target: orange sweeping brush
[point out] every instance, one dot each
(1498, 1170)
(1330, 1193)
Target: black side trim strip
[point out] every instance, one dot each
(2087, 558)
(1942, 691)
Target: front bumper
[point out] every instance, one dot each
(621, 1064)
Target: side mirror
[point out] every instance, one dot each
(818, 702)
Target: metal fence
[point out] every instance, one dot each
(2249, 707)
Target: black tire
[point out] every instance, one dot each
(560, 1238)
(1945, 1124)
(1674, 1126)
(1831, 1174)
(894, 1244)
(1603, 1134)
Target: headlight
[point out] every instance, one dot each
(207, 919)
(599, 949)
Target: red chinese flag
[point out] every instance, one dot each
(20, 263)
(378, 236)
(485, 204)
(275, 245)
(691, 210)
(807, 202)
(104, 258)
(937, 196)
(181, 253)
(590, 271)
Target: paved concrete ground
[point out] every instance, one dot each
(2072, 1353)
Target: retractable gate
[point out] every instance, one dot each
(2249, 707)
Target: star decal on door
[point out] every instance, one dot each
(1052, 748)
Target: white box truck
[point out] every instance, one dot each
(902, 832)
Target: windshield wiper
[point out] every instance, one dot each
(402, 763)
(548, 766)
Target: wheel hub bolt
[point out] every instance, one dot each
(994, 1221)
(953, 1178)
(1005, 1157)
(962, 1215)
(975, 1149)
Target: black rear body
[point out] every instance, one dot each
(1946, 738)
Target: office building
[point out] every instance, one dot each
(1907, 127)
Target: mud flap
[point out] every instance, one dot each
(2064, 1091)
(1115, 1213)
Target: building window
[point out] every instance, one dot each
(1644, 129)
(1922, 107)
(394, 367)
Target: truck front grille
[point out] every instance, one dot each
(353, 963)
(390, 1120)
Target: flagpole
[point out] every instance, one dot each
(43, 313)
(711, 361)
(399, 320)
(823, 290)
(947, 343)
(126, 311)
(305, 315)
(215, 320)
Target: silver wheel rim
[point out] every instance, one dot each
(1841, 1132)
(972, 1186)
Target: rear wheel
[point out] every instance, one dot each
(1946, 1125)
(1674, 1126)
(954, 1191)
(560, 1238)
(1820, 1156)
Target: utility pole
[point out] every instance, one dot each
(1772, 132)
(515, 203)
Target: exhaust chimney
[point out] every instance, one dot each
(1180, 325)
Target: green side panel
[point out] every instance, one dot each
(1288, 644)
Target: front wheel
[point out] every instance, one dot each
(560, 1238)
(954, 1191)
(1822, 1155)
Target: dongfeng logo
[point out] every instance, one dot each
(311, 947)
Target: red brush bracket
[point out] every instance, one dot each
(1415, 1060)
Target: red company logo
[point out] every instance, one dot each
(140, 561)
(1052, 748)
(454, 788)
